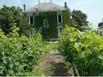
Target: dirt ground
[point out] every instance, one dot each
(54, 62)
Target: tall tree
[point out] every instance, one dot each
(80, 19)
(12, 15)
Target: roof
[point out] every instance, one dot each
(100, 25)
(45, 7)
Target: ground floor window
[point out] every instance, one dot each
(60, 28)
(31, 33)
(101, 33)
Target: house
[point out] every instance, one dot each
(100, 28)
(47, 18)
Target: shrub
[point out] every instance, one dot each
(84, 50)
(19, 54)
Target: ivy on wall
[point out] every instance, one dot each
(51, 32)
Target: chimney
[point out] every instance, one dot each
(65, 5)
(24, 7)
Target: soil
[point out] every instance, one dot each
(54, 62)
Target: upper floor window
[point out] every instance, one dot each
(31, 20)
(59, 18)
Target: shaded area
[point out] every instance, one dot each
(60, 70)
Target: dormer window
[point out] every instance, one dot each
(31, 20)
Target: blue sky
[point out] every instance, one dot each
(93, 8)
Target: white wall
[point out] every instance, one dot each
(100, 31)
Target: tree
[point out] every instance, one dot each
(80, 19)
(12, 15)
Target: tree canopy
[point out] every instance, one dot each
(10, 16)
(80, 19)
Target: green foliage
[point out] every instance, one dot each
(10, 16)
(19, 55)
(80, 19)
(82, 49)
(51, 31)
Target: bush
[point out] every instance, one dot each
(19, 54)
(84, 50)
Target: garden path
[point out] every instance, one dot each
(54, 62)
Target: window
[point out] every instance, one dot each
(31, 20)
(60, 28)
(45, 23)
(59, 18)
(31, 33)
(101, 33)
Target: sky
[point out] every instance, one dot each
(93, 8)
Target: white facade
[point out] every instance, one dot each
(59, 21)
(100, 28)
(100, 31)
